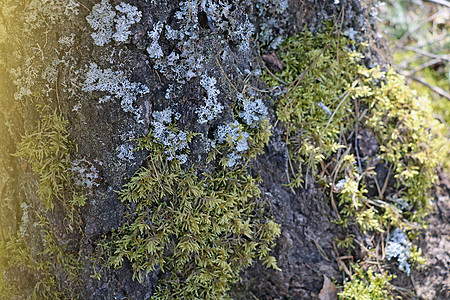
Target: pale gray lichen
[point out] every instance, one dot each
(244, 34)
(236, 138)
(212, 107)
(398, 246)
(339, 186)
(169, 92)
(282, 6)
(25, 220)
(67, 40)
(172, 34)
(50, 73)
(129, 16)
(85, 174)
(101, 19)
(109, 24)
(350, 33)
(24, 78)
(276, 18)
(154, 49)
(217, 13)
(185, 63)
(325, 108)
(116, 84)
(174, 141)
(125, 152)
(254, 110)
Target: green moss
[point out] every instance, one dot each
(367, 285)
(40, 282)
(329, 97)
(323, 74)
(47, 149)
(312, 134)
(200, 230)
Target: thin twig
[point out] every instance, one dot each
(253, 88)
(156, 172)
(356, 138)
(435, 89)
(441, 2)
(420, 25)
(386, 180)
(339, 33)
(189, 15)
(300, 77)
(378, 186)
(271, 74)
(321, 251)
(341, 264)
(424, 66)
(225, 74)
(83, 6)
(425, 53)
(307, 170)
(345, 96)
(438, 117)
(431, 41)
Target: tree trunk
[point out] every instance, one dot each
(107, 69)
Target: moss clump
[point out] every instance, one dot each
(367, 285)
(47, 150)
(316, 106)
(200, 230)
(409, 137)
(329, 97)
(40, 268)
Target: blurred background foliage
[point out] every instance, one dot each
(418, 35)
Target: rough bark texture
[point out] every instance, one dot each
(304, 250)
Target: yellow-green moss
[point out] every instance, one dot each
(367, 285)
(47, 149)
(201, 230)
(329, 97)
(409, 137)
(325, 81)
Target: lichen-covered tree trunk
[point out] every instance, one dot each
(144, 153)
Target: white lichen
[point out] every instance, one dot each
(125, 152)
(212, 107)
(154, 50)
(101, 19)
(174, 141)
(25, 220)
(399, 247)
(244, 34)
(117, 85)
(129, 15)
(236, 139)
(325, 108)
(254, 110)
(85, 174)
(110, 24)
(350, 33)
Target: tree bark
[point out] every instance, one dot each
(56, 42)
